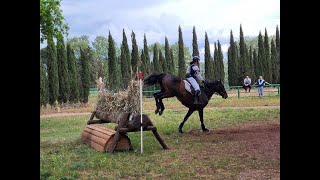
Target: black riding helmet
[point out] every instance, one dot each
(195, 59)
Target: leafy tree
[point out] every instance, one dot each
(182, 64)
(64, 86)
(100, 49)
(51, 20)
(73, 75)
(162, 62)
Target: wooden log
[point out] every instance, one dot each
(101, 139)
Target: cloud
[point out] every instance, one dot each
(160, 18)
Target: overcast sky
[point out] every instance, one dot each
(160, 18)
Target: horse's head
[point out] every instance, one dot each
(218, 88)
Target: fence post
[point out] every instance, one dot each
(238, 92)
(278, 89)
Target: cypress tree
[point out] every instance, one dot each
(167, 56)
(252, 72)
(146, 55)
(173, 68)
(114, 79)
(267, 63)
(85, 74)
(216, 70)
(274, 61)
(232, 62)
(52, 72)
(220, 62)
(195, 50)
(73, 75)
(243, 66)
(255, 64)
(156, 64)
(208, 63)
(134, 53)
(44, 93)
(182, 64)
(125, 61)
(143, 63)
(278, 51)
(261, 56)
(64, 86)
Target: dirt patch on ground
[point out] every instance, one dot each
(254, 148)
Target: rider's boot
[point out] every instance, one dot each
(196, 97)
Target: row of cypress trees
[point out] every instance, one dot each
(65, 78)
(263, 60)
(60, 81)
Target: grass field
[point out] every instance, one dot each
(192, 155)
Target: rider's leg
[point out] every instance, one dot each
(196, 87)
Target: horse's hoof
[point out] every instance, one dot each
(160, 112)
(156, 111)
(180, 131)
(205, 130)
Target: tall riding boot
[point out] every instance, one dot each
(196, 97)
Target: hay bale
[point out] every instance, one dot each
(111, 106)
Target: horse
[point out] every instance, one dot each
(173, 86)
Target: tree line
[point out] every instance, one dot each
(67, 71)
(247, 59)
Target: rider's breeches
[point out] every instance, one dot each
(194, 83)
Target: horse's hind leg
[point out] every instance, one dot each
(161, 107)
(203, 127)
(185, 119)
(157, 102)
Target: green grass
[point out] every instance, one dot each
(64, 156)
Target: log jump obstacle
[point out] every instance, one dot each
(107, 140)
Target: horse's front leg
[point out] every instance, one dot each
(185, 119)
(203, 127)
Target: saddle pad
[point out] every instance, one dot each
(187, 86)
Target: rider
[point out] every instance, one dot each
(193, 73)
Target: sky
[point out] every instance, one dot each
(161, 18)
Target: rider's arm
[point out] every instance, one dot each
(198, 75)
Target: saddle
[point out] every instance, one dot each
(188, 87)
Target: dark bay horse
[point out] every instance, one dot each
(172, 85)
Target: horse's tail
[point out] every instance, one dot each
(153, 78)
